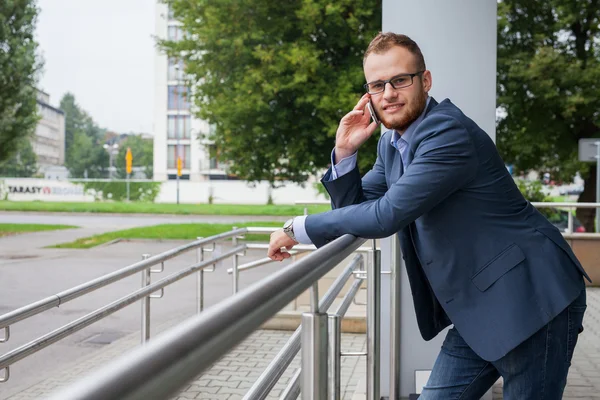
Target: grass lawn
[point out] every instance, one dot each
(154, 208)
(11, 229)
(167, 231)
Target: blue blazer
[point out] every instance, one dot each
(478, 255)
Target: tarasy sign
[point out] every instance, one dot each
(588, 149)
(25, 189)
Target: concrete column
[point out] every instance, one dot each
(458, 41)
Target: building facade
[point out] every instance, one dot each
(49, 140)
(176, 131)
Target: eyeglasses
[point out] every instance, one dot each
(397, 82)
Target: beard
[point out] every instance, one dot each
(412, 111)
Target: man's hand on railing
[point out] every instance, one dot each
(280, 239)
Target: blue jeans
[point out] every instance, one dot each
(536, 369)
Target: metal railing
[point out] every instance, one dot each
(316, 334)
(144, 294)
(166, 363)
(570, 206)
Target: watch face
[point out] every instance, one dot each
(288, 223)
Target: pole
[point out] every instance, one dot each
(110, 173)
(177, 133)
(395, 296)
(373, 321)
(145, 303)
(128, 187)
(597, 185)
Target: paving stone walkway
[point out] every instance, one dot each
(232, 376)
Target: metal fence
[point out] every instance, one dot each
(165, 364)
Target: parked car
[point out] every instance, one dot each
(560, 219)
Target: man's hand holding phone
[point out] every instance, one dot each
(355, 128)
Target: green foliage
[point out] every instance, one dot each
(532, 191)
(117, 190)
(18, 69)
(321, 190)
(285, 210)
(22, 164)
(548, 69)
(142, 151)
(170, 232)
(275, 78)
(85, 156)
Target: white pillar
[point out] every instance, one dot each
(458, 41)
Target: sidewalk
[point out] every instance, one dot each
(232, 376)
(229, 378)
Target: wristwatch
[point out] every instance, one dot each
(288, 228)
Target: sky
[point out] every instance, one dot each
(102, 51)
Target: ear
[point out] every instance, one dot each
(427, 81)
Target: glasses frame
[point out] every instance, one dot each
(412, 76)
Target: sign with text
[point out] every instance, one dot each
(588, 150)
(27, 189)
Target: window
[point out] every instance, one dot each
(179, 126)
(175, 33)
(171, 15)
(213, 153)
(178, 98)
(172, 73)
(172, 156)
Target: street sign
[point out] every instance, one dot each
(178, 166)
(588, 149)
(128, 160)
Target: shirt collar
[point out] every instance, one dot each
(411, 128)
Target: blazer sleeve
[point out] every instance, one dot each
(445, 161)
(349, 189)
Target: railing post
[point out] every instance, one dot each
(200, 280)
(145, 303)
(314, 356)
(373, 321)
(235, 271)
(395, 294)
(334, 362)
(570, 221)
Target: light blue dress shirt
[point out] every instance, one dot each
(345, 165)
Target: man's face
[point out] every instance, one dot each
(397, 108)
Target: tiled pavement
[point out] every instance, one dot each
(233, 375)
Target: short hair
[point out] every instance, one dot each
(385, 41)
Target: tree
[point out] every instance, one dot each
(18, 69)
(548, 91)
(275, 78)
(85, 155)
(22, 163)
(88, 159)
(142, 151)
(74, 120)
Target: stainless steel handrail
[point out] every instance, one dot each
(267, 380)
(292, 391)
(42, 342)
(569, 234)
(78, 291)
(174, 358)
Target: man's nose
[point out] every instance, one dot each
(388, 91)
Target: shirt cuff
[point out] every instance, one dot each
(344, 166)
(300, 230)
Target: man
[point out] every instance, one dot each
(478, 255)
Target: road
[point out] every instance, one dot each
(28, 273)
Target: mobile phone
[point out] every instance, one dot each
(372, 112)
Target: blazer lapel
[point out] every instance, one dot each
(397, 169)
(410, 153)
